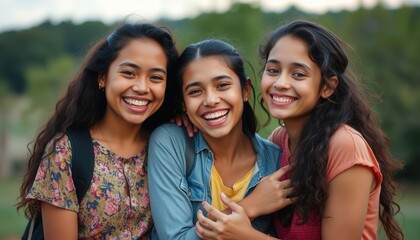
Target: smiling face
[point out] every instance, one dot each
(213, 97)
(136, 81)
(291, 81)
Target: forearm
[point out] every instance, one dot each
(250, 208)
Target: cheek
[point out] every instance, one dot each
(266, 83)
(191, 105)
(159, 91)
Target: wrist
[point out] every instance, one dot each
(250, 209)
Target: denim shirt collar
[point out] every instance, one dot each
(260, 171)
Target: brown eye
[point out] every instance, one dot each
(127, 72)
(194, 92)
(157, 77)
(271, 70)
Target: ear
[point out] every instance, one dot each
(101, 81)
(246, 90)
(330, 87)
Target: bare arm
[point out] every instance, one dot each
(346, 207)
(269, 196)
(58, 223)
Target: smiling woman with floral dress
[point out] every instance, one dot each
(119, 96)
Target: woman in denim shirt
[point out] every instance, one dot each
(229, 157)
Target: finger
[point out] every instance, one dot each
(178, 121)
(202, 232)
(288, 191)
(218, 215)
(231, 204)
(286, 184)
(187, 124)
(185, 121)
(279, 173)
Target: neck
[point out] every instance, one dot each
(293, 130)
(122, 138)
(229, 148)
(119, 131)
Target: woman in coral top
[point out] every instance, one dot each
(342, 169)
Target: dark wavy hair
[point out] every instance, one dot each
(347, 105)
(214, 47)
(83, 104)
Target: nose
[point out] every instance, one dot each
(282, 82)
(211, 99)
(141, 86)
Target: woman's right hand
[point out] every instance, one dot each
(219, 226)
(270, 195)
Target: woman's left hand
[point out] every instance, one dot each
(226, 226)
(183, 120)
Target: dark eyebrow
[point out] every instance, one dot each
(129, 64)
(273, 61)
(302, 65)
(217, 78)
(158, 70)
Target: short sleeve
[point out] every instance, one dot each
(348, 148)
(53, 183)
(275, 136)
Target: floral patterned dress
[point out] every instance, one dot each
(116, 206)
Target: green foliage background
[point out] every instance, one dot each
(37, 63)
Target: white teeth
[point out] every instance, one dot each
(215, 115)
(283, 99)
(135, 102)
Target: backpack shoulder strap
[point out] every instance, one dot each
(82, 162)
(189, 153)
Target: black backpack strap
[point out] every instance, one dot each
(189, 153)
(82, 162)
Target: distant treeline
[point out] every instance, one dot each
(37, 62)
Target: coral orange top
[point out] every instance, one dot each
(347, 148)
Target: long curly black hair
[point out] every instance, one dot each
(347, 105)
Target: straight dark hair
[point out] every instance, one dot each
(214, 47)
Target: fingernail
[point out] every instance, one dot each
(223, 195)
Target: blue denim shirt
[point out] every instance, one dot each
(175, 197)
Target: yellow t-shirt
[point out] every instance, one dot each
(236, 193)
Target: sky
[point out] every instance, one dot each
(21, 14)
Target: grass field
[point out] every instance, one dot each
(13, 224)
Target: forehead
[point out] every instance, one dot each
(208, 67)
(290, 48)
(143, 50)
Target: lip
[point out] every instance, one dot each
(136, 104)
(215, 117)
(282, 99)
